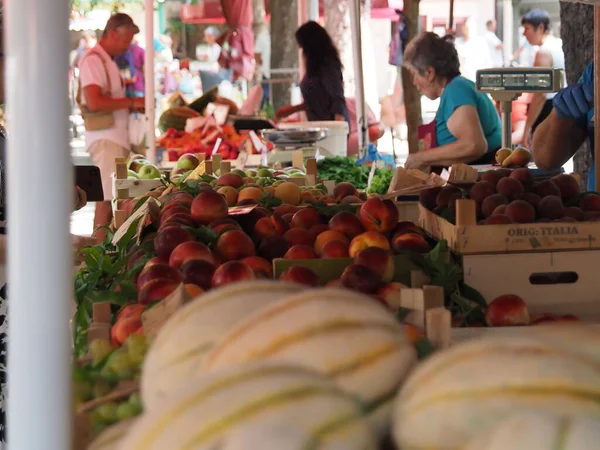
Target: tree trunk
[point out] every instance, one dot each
(284, 52)
(337, 24)
(412, 97)
(259, 15)
(579, 52)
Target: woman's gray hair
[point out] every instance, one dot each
(428, 50)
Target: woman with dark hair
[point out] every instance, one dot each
(322, 86)
(467, 127)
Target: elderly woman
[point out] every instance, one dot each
(467, 127)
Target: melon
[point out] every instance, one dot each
(256, 406)
(458, 392)
(539, 432)
(182, 343)
(111, 437)
(339, 333)
(176, 118)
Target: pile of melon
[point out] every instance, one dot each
(274, 366)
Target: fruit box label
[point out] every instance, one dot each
(241, 210)
(544, 231)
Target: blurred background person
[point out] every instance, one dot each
(473, 51)
(495, 45)
(211, 34)
(262, 55)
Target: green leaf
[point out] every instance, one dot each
(424, 349)
(402, 313)
(472, 294)
(205, 235)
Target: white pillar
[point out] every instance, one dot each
(507, 32)
(313, 10)
(149, 79)
(40, 199)
(355, 19)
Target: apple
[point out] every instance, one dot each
(232, 272)
(209, 206)
(132, 175)
(158, 271)
(167, 239)
(301, 275)
(507, 311)
(137, 164)
(190, 251)
(148, 172)
(379, 260)
(198, 272)
(361, 278)
(157, 289)
(379, 215)
(189, 161)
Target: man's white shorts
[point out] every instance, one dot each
(103, 153)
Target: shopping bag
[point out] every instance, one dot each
(138, 126)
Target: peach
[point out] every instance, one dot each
(198, 272)
(428, 197)
(235, 245)
(378, 215)
(306, 218)
(298, 236)
(351, 200)
(209, 206)
(185, 220)
(179, 198)
(247, 202)
(546, 188)
(286, 209)
(368, 239)
(408, 227)
(389, 294)
(567, 185)
(531, 198)
(379, 260)
(360, 278)
(288, 192)
(337, 283)
(410, 241)
(482, 190)
(121, 330)
(155, 260)
(288, 218)
(500, 211)
(219, 226)
(157, 289)
(413, 333)
(344, 189)
(230, 194)
(507, 311)
(551, 207)
(135, 258)
(261, 267)
(316, 230)
(500, 219)
(574, 212)
(511, 188)
(301, 275)
(251, 193)
(189, 251)
(525, 177)
(306, 198)
(158, 271)
(232, 272)
(166, 213)
(167, 239)
(443, 197)
(273, 247)
(173, 205)
(131, 311)
(347, 223)
(231, 179)
(193, 290)
(590, 202)
(270, 226)
(493, 176)
(301, 252)
(491, 203)
(328, 236)
(520, 211)
(248, 221)
(336, 249)
(328, 200)
(543, 318)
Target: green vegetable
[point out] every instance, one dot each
(381, 182)
(340, 169)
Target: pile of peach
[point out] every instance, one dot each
(506, 196)
(511, 311)
(246, 245)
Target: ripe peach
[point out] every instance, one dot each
(288, 218)
(428, 197)
(500, 211)
(286, 209)
(368, 239)
(273, 247)
(492, 176)
(193, 290)
(298, 236)
(230, 194)
(198, 272)
(525, 176)
(301, 252)
(328, 200)
(157, 289)
(378, 215)
(574, 212)
(351, 200)
(155, 260)
(158, 271)
(590, 202)
(389, 294)
(209, 206)
(568, 186)
(270, 226)
(185, 220)
(306, 218)
(410, 241)
(361, 278)
(511, 188)
(328, 236)
(172, 210)
(316, 230)
(307, 198)
(520, 212)
(167, 239)
(347, 223)
(301, 275)
(288, 192)
(128, 311)
(235, 245)
(491, 203)
(178, 198)
(379, 260)
(551, 207)
(219, 226)
(546, 188)
(413, 333)
(121, 330)
(531, 198)
(482, 190)
(231, 179)
(261, 267)
(344, 189)
(443, 198)
(337, 283)
(189, 251)
(500, 219)
(408, 227)
(507, 311)
(336, 249)
(250, 193)
(232, 272)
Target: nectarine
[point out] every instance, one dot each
(231, 272)
(361, 278)
(344, 189)
(378, 215)
(270, 226)
(410, 241)
(209, 206)
(167, 239)
(235, 245)
(189, 251)
(231, 179)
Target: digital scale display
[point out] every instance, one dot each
(518, 80)
(538, 81)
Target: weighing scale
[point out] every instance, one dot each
(298, 139)
(506, 84)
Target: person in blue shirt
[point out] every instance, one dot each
(571, 121)
(467, 127)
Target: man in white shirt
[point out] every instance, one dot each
(473, 52)
(103, 91)
(495, 45)
(262, 55)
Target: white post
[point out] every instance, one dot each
(361, 117)
(313, 10)
(149, 79)
(507, 29)
(40, 272)
(302, 12)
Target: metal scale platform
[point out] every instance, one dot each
(287, 141)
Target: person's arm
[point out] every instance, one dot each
(518, 132)
(555, 141)
(470, 142)
(542, 59)
(288, 110)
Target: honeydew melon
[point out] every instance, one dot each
(339, 333)
(261, 405)
(181, 345)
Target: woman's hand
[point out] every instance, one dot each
(285, 111)
(415, 161)
(80, 199)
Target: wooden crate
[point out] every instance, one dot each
(467, 238)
